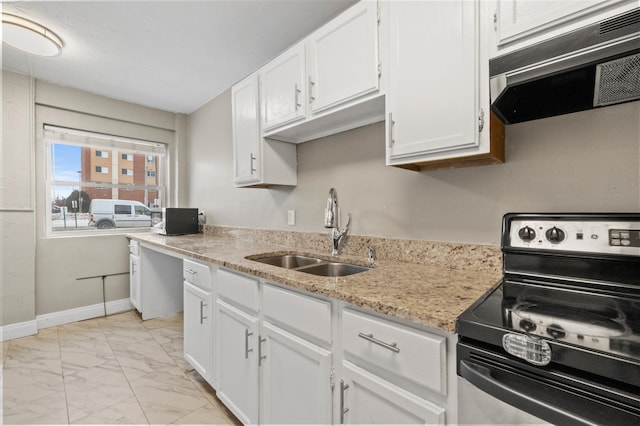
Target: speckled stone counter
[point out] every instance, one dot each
(431, 293)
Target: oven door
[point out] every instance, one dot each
(552, 395)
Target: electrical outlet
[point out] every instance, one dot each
(291, 217)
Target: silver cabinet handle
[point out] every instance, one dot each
(253, 170)
(202, 317)
(191, 271)
(297, 92)
(343, 410)
(311, 84)
(391, 346)
(260, 356)
(390, 142)
(246, 343)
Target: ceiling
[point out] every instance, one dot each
(171, 55)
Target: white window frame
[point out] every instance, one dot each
(126, 172)
(58, 135)
(103, 170)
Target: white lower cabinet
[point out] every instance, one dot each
(278, 360)
(198, 318)
(237, 361)
(295, 385)
(368, 399)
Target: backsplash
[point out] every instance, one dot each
(456, 256)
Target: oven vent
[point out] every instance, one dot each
(622, 21)
(617, 81)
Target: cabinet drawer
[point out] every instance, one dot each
(197, 273)
(240, 290)
(297, 313)
(401, 352)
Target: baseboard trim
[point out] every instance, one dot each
(18, 330)
(83, 313)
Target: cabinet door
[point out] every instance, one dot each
(296, 379)
(432, 101)
(237, 361)
(281, 88)
(343, 58)
(135, 282)
(367, 399)
(198, 330)
(246, 131)
(517, 19)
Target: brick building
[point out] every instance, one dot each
(126, 176)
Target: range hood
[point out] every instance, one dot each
(590, 67)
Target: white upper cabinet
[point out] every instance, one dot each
(522, 22)
(328, 83)
(246, 131)
(436, 104)
(282, 82)
(343, 58)
(257, 162)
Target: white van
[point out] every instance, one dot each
(107, 214)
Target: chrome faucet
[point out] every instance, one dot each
(332, 220)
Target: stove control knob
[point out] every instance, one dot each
(555, 235)
(527, 234)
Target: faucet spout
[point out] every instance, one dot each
(332, 220)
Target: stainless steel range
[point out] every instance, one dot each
(560, 337)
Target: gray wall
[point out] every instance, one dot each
(17, 218)
(588, 161)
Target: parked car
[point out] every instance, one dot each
(107, 214)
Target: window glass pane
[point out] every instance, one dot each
(122, 209)
(87, 185)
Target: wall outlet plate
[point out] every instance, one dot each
(291, 217)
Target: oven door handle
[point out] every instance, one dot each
(481, 377)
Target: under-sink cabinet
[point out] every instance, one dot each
(296, 368)
(437, 101)
(283, 356)
(198, 318)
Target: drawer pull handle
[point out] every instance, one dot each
(247, 333)
(391, 346)
(191, 271)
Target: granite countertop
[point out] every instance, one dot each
(430, 295)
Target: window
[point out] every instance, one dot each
(87, 196)
(151, 173)
(122, 209)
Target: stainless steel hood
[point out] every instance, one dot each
(591, 67)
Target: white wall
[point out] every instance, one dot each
(587, 161)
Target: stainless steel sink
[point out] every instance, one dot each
(334, 269)
(311, 265)
(289, 261)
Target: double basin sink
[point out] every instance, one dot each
(311, 265)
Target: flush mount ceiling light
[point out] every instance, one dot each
(29, 36)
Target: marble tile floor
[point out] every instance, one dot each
(112, 370)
